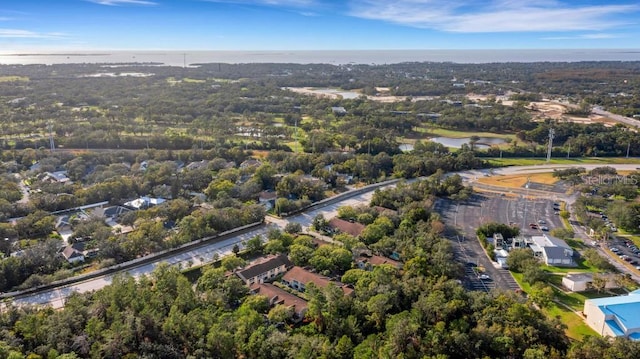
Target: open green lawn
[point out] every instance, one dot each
(583, 266)
(562, 161)
(186, 79)
(13, 78)
(576, 327)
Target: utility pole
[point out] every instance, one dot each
(628, 148)
(524, 212)
(552, 134)
(295, 135)
(52, 145)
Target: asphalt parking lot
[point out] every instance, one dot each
(626, 251)
(465, 217)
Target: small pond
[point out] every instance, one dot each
(483, 142)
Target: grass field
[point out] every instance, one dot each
(518, 181)
(13, 78)
(576, 327)
(562, 161)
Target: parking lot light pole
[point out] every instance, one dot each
(524, 212)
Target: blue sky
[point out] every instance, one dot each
(316, 24)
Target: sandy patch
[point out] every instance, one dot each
(518, 181)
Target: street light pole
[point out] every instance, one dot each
(552, 134)
(524, 212)
(628, 148)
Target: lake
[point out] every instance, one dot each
(483, 142)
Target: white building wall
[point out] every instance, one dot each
(595, 318)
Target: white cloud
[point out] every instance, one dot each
(123, 2)
(493, 16)
(283, 3)
(599, 36)
(26, 34)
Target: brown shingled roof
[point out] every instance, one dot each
(279, 296)
(352, 228)
(304, 276)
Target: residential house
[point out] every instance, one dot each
(579, 282)
(144, 202)
(112, 216)
(368, 262)
(552, 251)
(338, 110)
(56, 177)
(341, 226)
(74, 253)
(278, 296)
(615, 316)
(251, 162)
(63, 226)
(64, 223)
(299, 278)
(264, 269)
(197, 165)
(111, 213)
(267, 199)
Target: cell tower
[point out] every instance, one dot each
(53, 146)
(552, 134)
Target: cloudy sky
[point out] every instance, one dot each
(316, 24)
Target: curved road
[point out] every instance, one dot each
(55, 297)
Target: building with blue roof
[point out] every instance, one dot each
(615, 316)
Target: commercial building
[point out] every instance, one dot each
(615, 316)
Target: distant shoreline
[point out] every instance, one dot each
(335, 57)
(59, 54)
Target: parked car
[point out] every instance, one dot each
(484, 277)
(533, 226)
(544, 228)
(542, 221)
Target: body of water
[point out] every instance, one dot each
(378, 57)
(483, 142)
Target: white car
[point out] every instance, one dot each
(484, 277)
